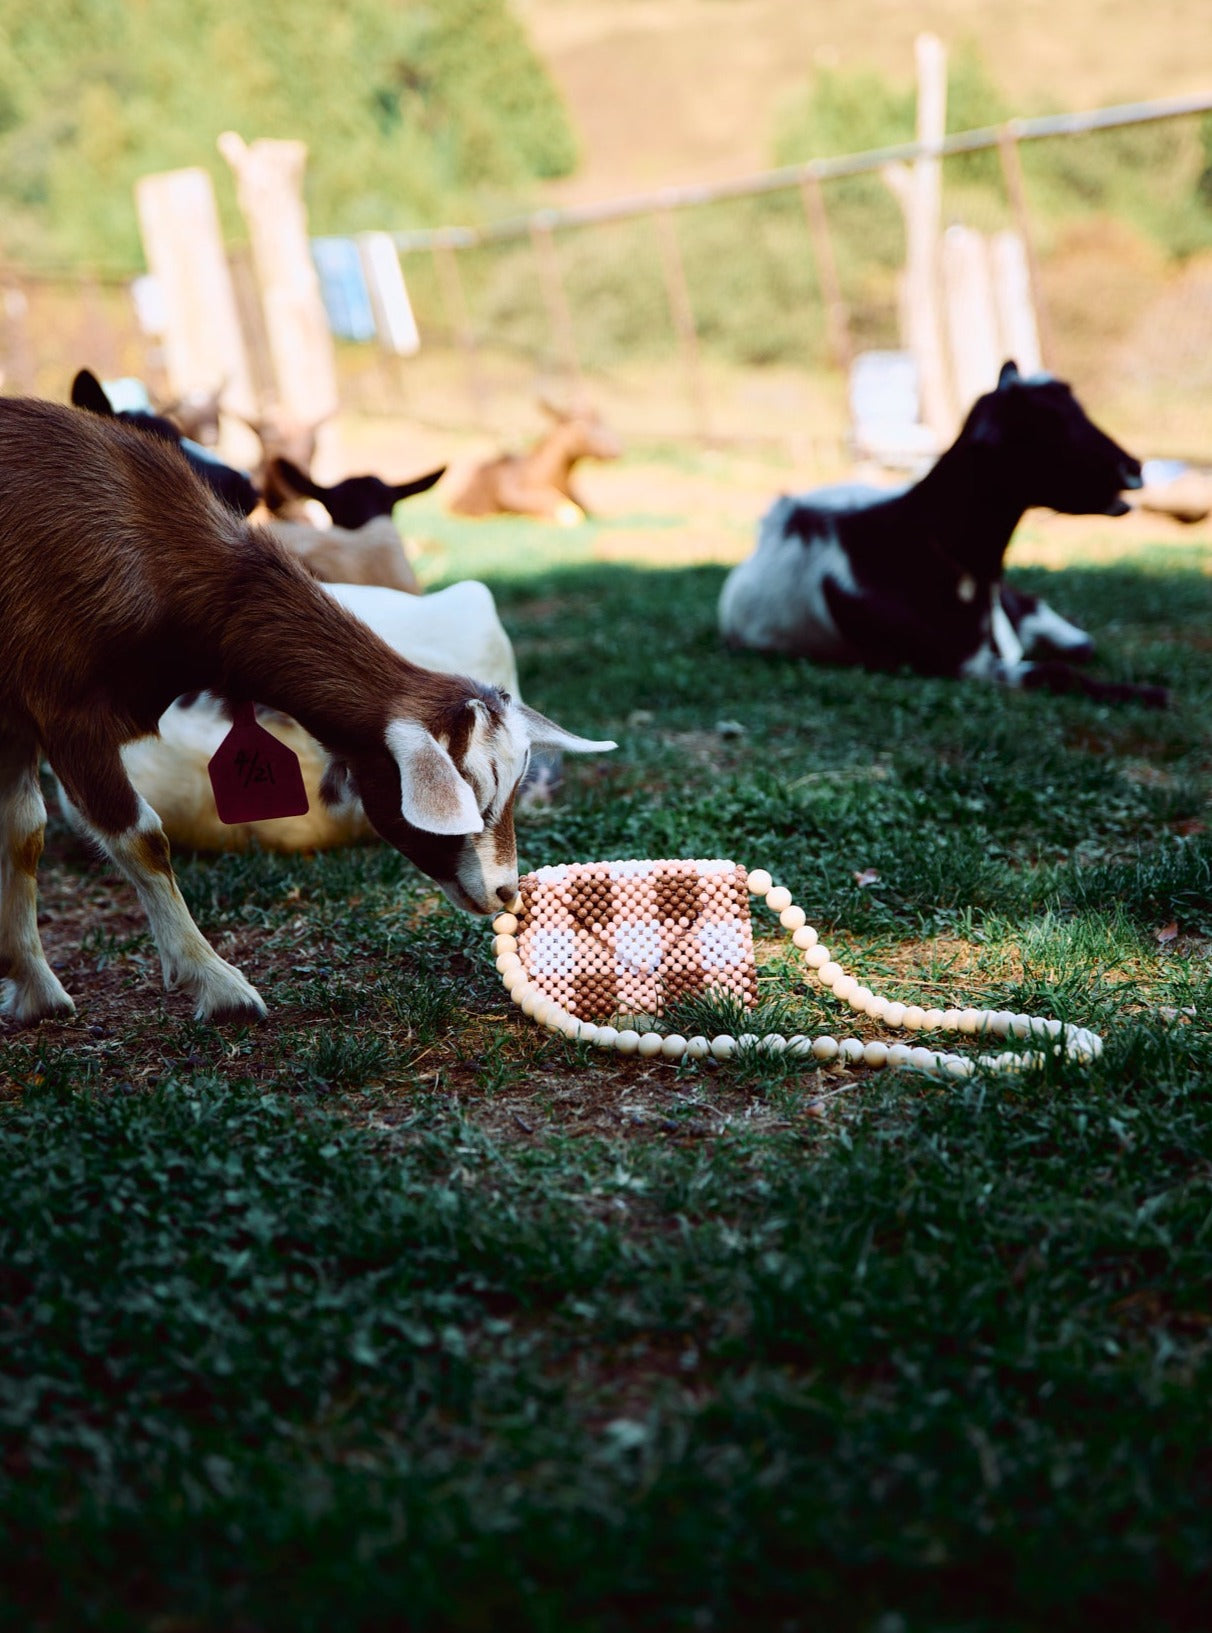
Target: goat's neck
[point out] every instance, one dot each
(552, 459)
(968, 506)
(288, 644)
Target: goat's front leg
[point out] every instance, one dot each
(29, 989)
(126, 828)
(537, 499)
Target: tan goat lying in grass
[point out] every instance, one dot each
(539, 481)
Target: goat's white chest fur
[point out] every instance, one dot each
(775, 600)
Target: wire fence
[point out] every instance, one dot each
(733, 312)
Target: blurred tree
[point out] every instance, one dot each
(414, 111)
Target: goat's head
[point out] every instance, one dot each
(231, 485)
(445, 796)
(1058, 456)
(196, 414)
(351, 503)
(90, 394)
(584, 434)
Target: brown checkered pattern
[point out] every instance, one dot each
(628, 938)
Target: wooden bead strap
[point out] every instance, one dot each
(625, 938)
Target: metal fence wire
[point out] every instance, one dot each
(735, 312)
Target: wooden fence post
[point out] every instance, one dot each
(683, 319)
(458, 319)
(1012, 170)
(203, 343)
(918, 190)
(837, 317)
(555, 298)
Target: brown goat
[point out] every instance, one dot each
(539, 481)
(125, 583)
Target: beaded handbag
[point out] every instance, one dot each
(587, 940)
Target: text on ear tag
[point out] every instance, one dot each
(253, 774)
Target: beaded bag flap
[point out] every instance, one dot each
(630, 938)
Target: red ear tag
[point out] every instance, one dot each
(254, 775)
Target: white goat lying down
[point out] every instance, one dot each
(453, 631)
(854, 575)
(126, 583)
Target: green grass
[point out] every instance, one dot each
(400, 1313)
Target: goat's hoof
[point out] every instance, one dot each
(224, 996)
(40, 998)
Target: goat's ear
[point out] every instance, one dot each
(433, 796)
(1009, 375)
(422, 484)
(545, 733)
(88, 392)
(293, 478)
(337, 784)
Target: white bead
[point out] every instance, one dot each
(999, 1022)
(951, 1021)
(571, 1027)
(507, 962)
(650, 1044)
(723, 1047)
(515, 976)
(850, 1049)
(875, 1053)
(674, 1046)
(1020, 1026)
(825, 1048)
(830, 972)
(504, 944)
(697, 1048)
(514, 907)
(792, 918)
(878, 1007)
(799, 1046)
(898, 1054)
(531, 1000)
(922, 1057)
(586, 1032)
(805, 937)
(773, 1043)
(759, 882)
(956, 1066)
(626, 1041)
(895, 1015)
(915, 1017)
(778, 898)
(969, 1020)
(505, 924)
(845, 987)
(518, 991)
(933, 1021)
(747, 1040)
(607, 1037)
(816, 956)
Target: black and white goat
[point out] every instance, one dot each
(854, 574)
(234, 487)
(351, 503)
(125, 582)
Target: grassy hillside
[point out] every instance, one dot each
(412, 112)
(684, 90)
